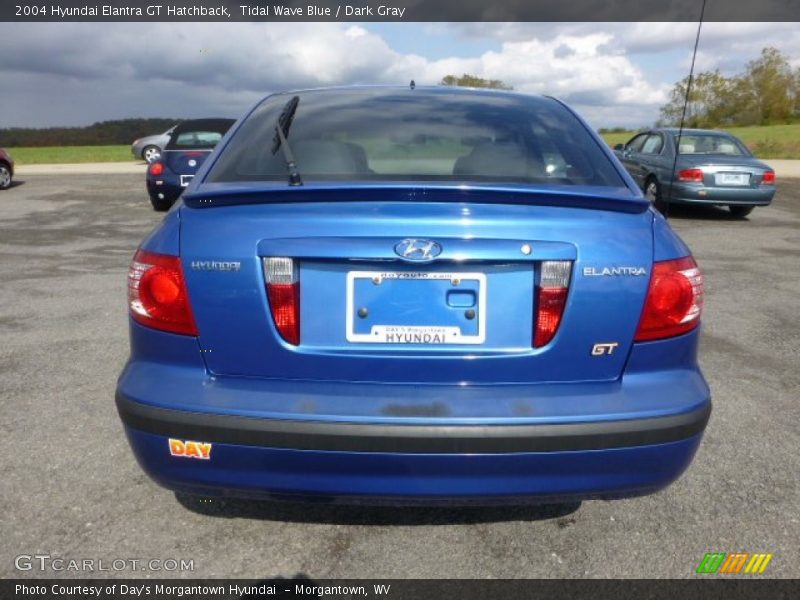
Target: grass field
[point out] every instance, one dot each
(70, 154)
(771, 141)
(768, 141)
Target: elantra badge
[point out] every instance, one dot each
(614, 271)
(418, 250)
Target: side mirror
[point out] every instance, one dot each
(619, 147)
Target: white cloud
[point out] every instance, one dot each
(633, 39)
(580, 70)
(194, 69)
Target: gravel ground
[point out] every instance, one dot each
(72, 488)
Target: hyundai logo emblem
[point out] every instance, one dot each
(418, 250)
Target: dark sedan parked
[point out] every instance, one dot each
(189, 145)
(6, 169)
(712, 168)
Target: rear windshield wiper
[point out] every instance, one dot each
(280, 141)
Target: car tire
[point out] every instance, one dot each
(740, 212)
(652, 191)
(160, 205)
(151, 153)
(5, 176)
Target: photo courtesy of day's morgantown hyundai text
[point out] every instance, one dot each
(413, 294)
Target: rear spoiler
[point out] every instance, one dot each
(209, 195)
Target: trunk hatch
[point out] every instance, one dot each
(347, 258)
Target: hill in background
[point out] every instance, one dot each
(105, 133)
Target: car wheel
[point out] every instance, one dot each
(652, 191)
(5, 177)
(740, 211)
(151, 153)
(159, 204)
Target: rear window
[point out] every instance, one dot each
(198, 134)
(418, 135)
(197, 139)
(711, 144)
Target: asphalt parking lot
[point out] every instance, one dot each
(71, 487)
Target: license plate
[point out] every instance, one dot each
(415, 308)
(732, 178)
(186, 180)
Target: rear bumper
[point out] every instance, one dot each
(251, 471)
(165, 188)
(356, 462)
(683, 193)
(411, 439)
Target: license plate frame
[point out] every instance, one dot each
(186, 180)
(732, 179)
(379, 333)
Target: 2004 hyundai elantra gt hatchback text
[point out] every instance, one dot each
(429, 294)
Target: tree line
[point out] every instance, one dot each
(104, 133)
(473, 81)
(766, 93)
(124, 131)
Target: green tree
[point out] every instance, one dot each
(708, 105)
(106, 132)
(767, 92)
(796, 94)
(770, 87)
(474, 81)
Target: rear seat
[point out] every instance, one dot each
(318, 157)
(326, 157)
(491, 159)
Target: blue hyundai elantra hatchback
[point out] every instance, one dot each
(413, 294)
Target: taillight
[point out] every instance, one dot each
(691, 175)
(157, 294)
(674, 300)
(551, 296)
(283, 293)
(768, 178)
(155, 169)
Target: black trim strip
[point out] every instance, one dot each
(451, 439)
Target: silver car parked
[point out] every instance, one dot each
(149, 148)
(712, 167)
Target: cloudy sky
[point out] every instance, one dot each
(613, 73)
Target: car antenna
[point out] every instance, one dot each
(683, 113)
(412, 85)
(279, 141)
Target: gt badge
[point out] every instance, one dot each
(189, 449)
(604, 348)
